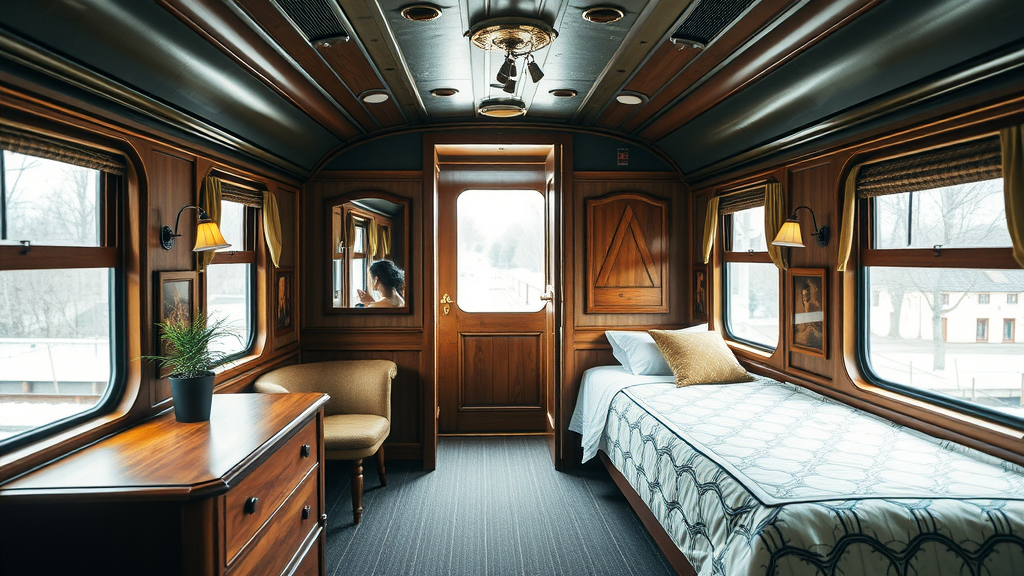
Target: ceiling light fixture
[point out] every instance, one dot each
(603, 14)
(516, 38)
(563, 93)
(374, 96)
(502, 107)
(631, 98)
(443, 92)
(421, 12)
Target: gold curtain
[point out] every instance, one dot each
(1012, 145)
(848, 220)
(385, 242)
(350, 233)
(272, 227)
(371, 237)
(710, 228)
(774, 215)
(209, 200)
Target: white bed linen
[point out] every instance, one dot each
(599, 386)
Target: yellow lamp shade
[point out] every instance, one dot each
(789, 235)
(208, 237)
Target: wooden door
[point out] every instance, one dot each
(494, 313)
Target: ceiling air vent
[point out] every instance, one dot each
(707, 21)
(317, 20)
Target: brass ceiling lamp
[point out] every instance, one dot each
(516, 38)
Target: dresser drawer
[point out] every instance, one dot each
(270, 485)
(310, 563)
(283, 536)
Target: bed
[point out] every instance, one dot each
(765, 477)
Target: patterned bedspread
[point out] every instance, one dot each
(769, 478)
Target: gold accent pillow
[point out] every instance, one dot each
(699, 357)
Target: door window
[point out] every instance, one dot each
(500, 250)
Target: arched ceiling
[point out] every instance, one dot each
(245, 75)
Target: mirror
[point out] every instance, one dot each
(369, 230)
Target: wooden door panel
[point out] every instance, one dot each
(501, 370)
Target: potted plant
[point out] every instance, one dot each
(188, 355)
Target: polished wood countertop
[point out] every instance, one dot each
(165, 459)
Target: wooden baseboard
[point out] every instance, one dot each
(672, 552)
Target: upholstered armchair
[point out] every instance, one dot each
(357, 418)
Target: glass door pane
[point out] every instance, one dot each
(500, 250)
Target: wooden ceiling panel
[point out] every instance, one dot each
(349, 62)
(793, 35)
(278, 26)
(663, 64)
(679, 80)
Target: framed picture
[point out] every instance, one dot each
(283, 298)
(177, 294)
(808, 330)
(700, 294)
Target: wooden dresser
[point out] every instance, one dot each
(239, 495)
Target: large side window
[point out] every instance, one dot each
(230, 277)
(61, 308)
(750, 291)
(938, 256)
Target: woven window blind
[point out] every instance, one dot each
(744, 200)
(231, 192)
(22, 142)
(958, 164)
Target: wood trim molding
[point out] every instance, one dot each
(605, 176)
(329, 175)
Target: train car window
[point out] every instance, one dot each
(750, 281)
(230, 278)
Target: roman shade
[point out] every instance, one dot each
(23, 142)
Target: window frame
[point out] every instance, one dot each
(997, 258)
(727, 255)
(248, 255)
(110, 255)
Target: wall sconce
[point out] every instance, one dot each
(789, 235)
(208, 236)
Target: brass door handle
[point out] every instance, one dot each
(447, 301)
(549, 294)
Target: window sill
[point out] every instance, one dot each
(997, 428)
(749, 350)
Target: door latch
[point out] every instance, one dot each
(447, 301)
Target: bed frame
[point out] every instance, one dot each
(672, 552)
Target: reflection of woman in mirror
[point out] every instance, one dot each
(387, 280)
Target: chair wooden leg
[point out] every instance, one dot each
(381, 472)
(357, 491)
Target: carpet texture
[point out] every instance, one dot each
(493, 507)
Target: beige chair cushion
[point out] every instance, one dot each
(352, 436)
(699, 357)
(355, 386)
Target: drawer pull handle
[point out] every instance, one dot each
(250, 505)
(305, 512)
(306, 451)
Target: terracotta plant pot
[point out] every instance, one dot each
(192, 398)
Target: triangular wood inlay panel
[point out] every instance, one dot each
(628, 262)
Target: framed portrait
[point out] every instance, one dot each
(700, 294)
(283, 298)
(177, 294)
(808, 327)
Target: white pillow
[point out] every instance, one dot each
(638, 353)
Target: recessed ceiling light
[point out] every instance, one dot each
(444, 92)
(374, 96)
(421, 12)
(563, 93)
(630, 98)
(602, 14)
(502, 107)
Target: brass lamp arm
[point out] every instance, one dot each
(167, 236)
(821, 234)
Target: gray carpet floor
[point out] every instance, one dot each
(493, 507)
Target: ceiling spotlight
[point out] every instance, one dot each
(536, 74)
(502, 107)
(506, 70)
(374, 96)
(630, 98)
(510, 86)
(444, 92)
(602, 14)
(563, 93)
(421, 12)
